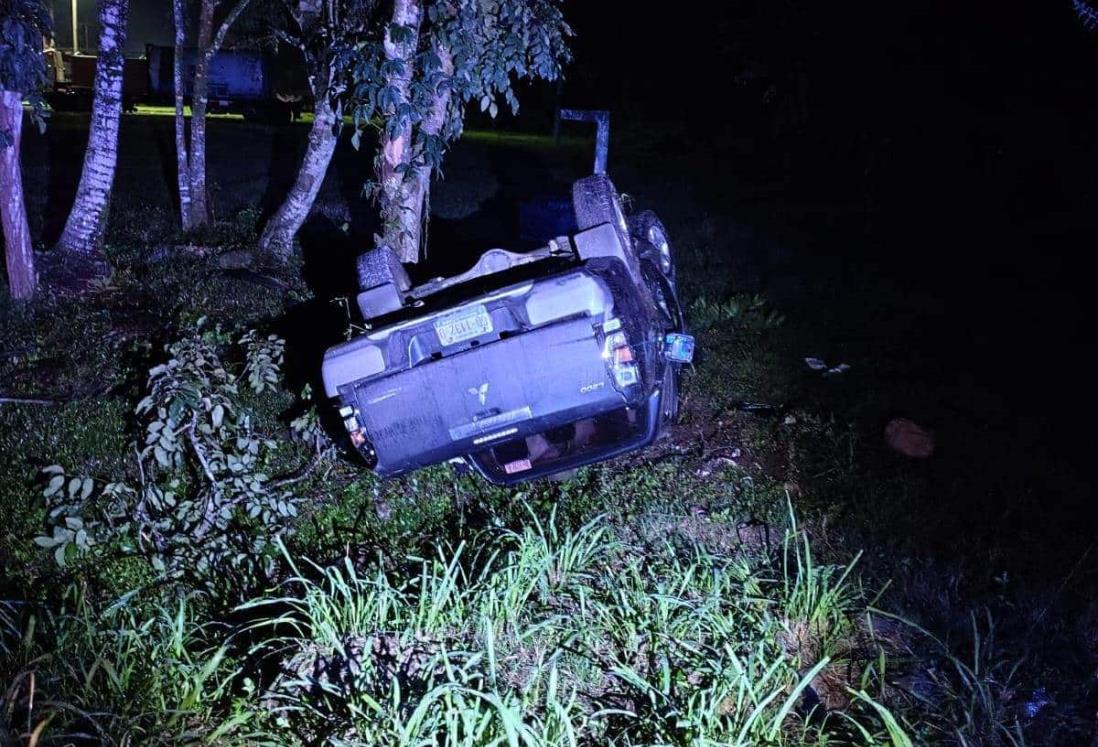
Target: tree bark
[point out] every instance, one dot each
(208, 46)
(431, 126)
(22, 279)
(182, 158)
(278, 235)
(200, 88)
(87, 222)
(401, 210)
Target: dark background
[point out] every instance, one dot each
(930, 170)
(936, 148)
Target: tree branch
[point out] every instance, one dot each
(27, 401)
(306, 471)
(223, 29)
(200, 454)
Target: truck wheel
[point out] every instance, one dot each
(383, 282)
(595, 202)
(651, 238)
(381, 266)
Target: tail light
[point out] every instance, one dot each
(358, 435)
(619, 357)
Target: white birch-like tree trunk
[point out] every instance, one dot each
(22, 279)
(87, 222)
(200, 87)
(182, 159)
(400, 217)
(209, 44)
(278, 234)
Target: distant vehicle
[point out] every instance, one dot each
(258, 85)
(525, 366)
(72, 79)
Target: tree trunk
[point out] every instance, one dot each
(208, 46)
(278, 234)
(87, 222)
(430, 127)
(182, 159)
(22, 279)
(400, 203)
(200, 87)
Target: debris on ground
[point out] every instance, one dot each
(909, 438)
(818, 364)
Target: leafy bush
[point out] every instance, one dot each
(749, 312)
(202, 494)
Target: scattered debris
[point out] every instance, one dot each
(1036, 702)
(715, 465)
(817, 364)
(756, 408)
(909, 438)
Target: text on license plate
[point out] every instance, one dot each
(463, 325)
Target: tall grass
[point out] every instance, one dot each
(116, 676)
(560, 637)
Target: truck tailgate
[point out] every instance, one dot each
(464, 402)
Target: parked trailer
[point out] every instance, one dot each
(254, 84)
(258, 85)
(73, 81)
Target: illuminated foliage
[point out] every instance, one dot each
(23, 24)
(415, 78)
(202, 469)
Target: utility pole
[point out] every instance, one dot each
(75, 46)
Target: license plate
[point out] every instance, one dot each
(463, 325)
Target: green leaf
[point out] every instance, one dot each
(55, 484)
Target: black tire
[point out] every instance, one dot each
(381, 266)
(641, 226)
(664, 296)
(595, 201)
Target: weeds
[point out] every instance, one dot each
(117, 676)
(552, 636)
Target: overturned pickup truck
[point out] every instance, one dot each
(528, 364)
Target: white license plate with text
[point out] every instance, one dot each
(463, 325)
